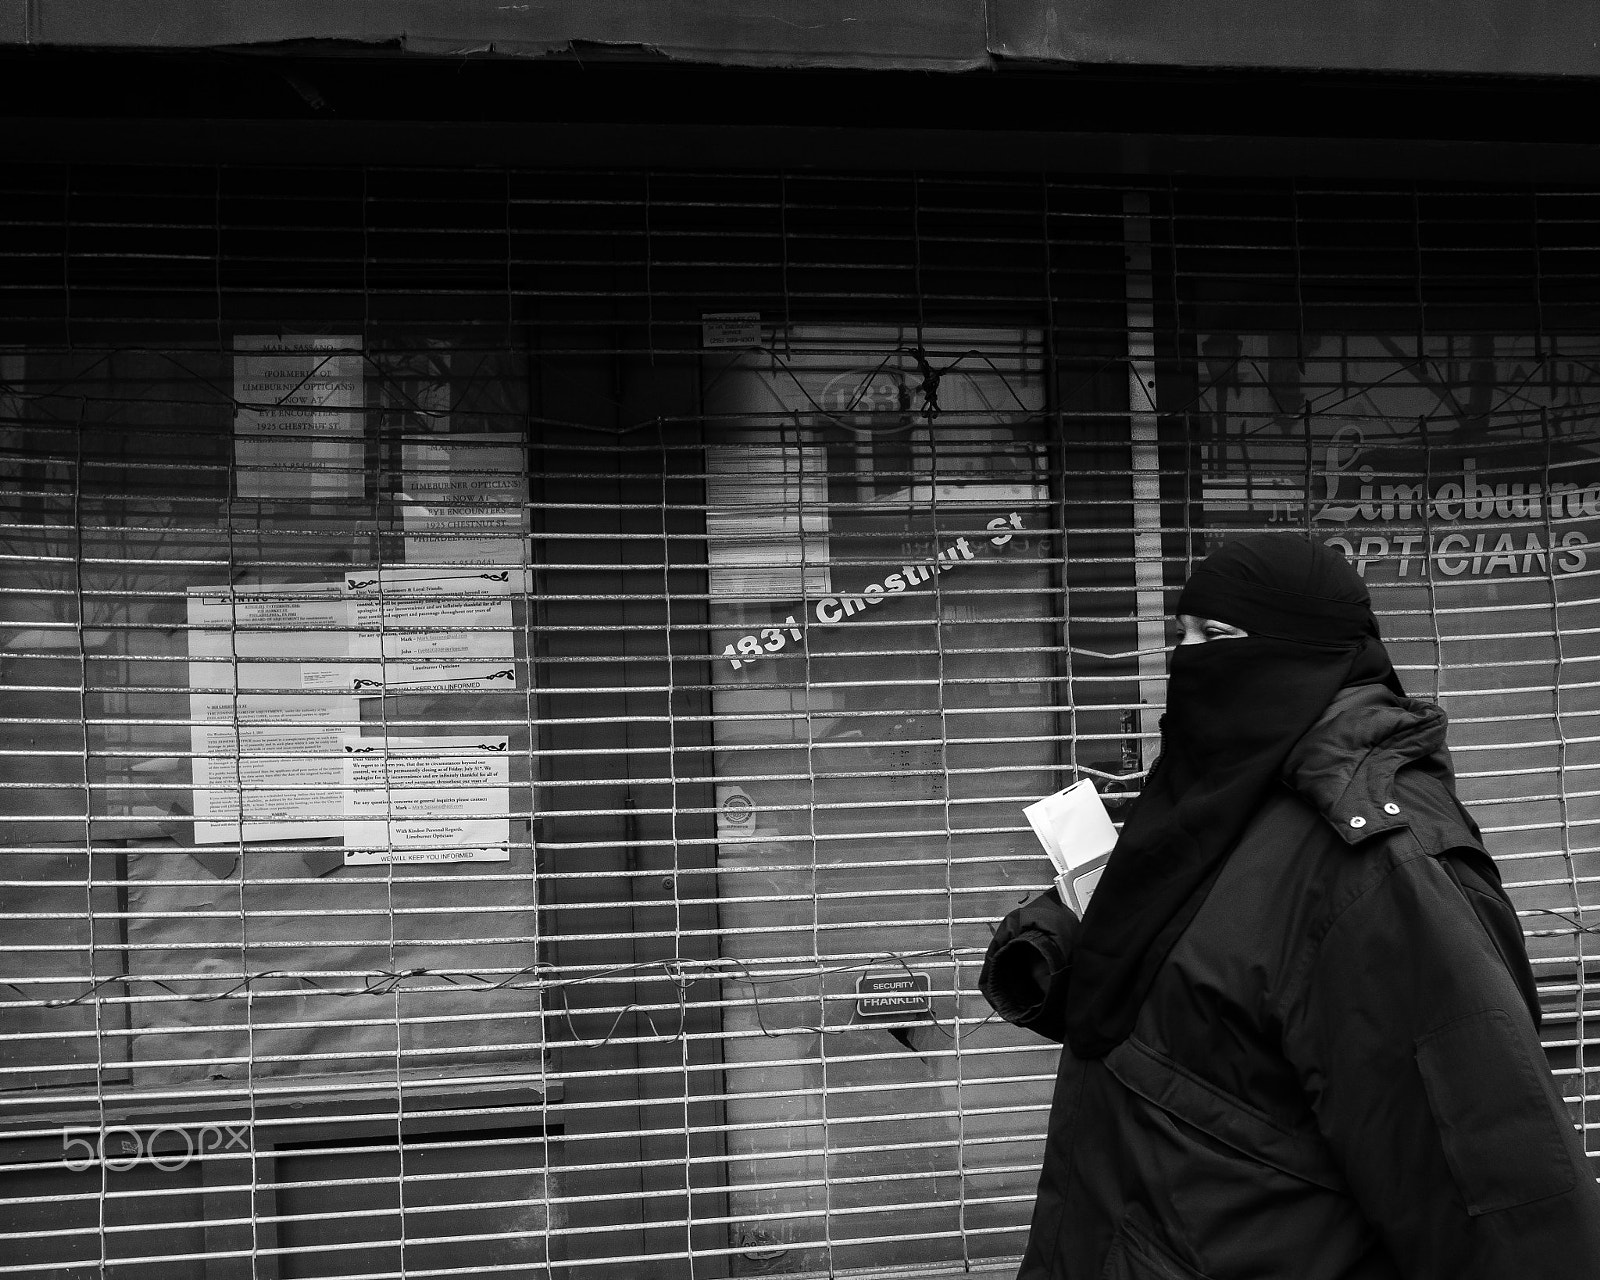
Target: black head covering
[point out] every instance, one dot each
(1234, 709)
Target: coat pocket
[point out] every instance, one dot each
(1496, 1119)
(1134, 1256)
(1176, 1090)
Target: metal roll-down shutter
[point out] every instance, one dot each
(520, 687)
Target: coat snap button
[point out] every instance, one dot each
(1391, 807)
(1358, 821)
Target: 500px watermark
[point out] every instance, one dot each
(167, 1147)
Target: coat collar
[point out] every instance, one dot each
(1348, 765)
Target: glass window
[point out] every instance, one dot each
(263, 623)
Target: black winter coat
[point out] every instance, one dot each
(1336, 1075)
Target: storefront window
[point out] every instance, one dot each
(267, 786)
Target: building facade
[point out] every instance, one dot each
(541, 564)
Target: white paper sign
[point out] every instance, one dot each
(298, 430)
(396, 630)
(281, 754)
(730, 329)
(293, 635)
(427, 799)
(465, 501)
(438, 630)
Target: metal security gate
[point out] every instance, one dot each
(520, 687)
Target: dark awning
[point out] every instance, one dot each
(1497, 37)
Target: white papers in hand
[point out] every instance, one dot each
(1076, 831)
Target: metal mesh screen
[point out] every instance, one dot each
(520, 687)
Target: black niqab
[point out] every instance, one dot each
(1234, 709)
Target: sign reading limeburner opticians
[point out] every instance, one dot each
(1397, 513)
(1506, 512)
(893, 993)
(1472, 460)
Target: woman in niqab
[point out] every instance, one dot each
(1300, 1030)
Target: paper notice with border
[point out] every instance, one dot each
(395, 630)
(282, 755)
(298, 430)
(438, 630)
(464, 500)
(427, 799)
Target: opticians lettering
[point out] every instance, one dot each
(1454, 554)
